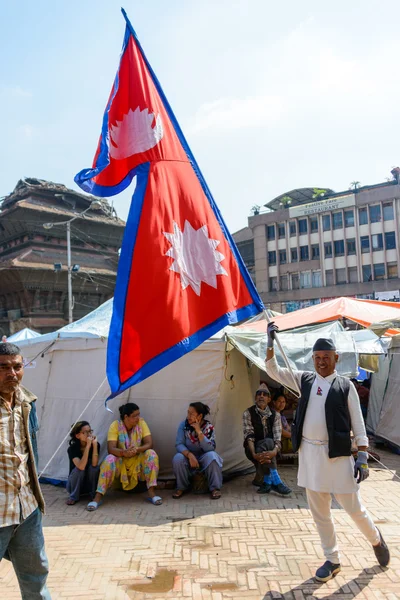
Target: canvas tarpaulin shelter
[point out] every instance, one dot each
(69, 366)
(363, 312)
(24, 334)
(384, 405)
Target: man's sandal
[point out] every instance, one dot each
(178, 494)
(215, 495)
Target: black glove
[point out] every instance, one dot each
(272, 329)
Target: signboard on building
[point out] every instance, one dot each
(320, 206)
(393, 296)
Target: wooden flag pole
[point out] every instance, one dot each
(296, 388)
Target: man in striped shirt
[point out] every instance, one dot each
(21, 500)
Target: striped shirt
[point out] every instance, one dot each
(17, 500)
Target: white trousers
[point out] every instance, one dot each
(320, 506)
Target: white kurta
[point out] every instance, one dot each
(317, 471)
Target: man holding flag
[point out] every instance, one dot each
(180, 276)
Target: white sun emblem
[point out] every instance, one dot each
(195, 256)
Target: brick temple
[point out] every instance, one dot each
(33, 260)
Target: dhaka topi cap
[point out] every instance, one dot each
(324, 344)
(263, 388)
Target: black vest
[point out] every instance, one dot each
(336, 413)
(258, 426)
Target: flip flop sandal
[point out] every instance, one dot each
(156, 500)
(215, 495)
(70, 502)
(178, 494)
(93, 506)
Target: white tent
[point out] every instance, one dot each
(384, 406)
(23, 334)
(66, 370)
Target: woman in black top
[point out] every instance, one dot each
(83, 453)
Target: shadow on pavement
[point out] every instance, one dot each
(306, 590)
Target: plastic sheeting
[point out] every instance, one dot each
(388, 426)
(378, 387)
(298, 344)
(24, 334)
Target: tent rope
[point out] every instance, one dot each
(387, 468)
(70, 429)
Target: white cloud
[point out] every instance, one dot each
(14, 92)
(26, 131)
(236, 113)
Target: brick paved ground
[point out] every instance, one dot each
(243, 546)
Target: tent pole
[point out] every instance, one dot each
(296, 388)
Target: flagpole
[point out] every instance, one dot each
(296, 388)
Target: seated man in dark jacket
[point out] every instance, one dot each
(262, 430)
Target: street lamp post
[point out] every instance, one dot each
(93, 204)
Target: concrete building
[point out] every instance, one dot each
(33, 259)
(311, 245)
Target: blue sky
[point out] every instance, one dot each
(271, 96)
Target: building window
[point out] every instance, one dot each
(272, 258)
(326, 222)
(246, 250)
(349, 218)
(292, 228)
(303, 252)
(353, 275)
(392, 270)
(390, 240)
(377, 242)
(388, 214)
(362, 216)
(379, 271)
(337, 220)
(282, 257)
(315, 251)
(295, 281)
(316, 279)
(314, 224)
(375, 213)
(293, 255)
(339, 247)
(284, 283)
(329, 277)
(351, 246)
(270, 232)
(305, 279)
(273, 284)
(302, 226)
(364, 243)
(340, 276)
(367, 274)
(328, 249)
(281, 230)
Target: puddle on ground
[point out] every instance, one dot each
(221, 587)
(162, 582)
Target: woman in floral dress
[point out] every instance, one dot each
(130, 456)
(195, 446)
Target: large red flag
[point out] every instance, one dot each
(180, 277)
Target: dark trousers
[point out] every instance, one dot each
(82, 482)
(262, 446)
